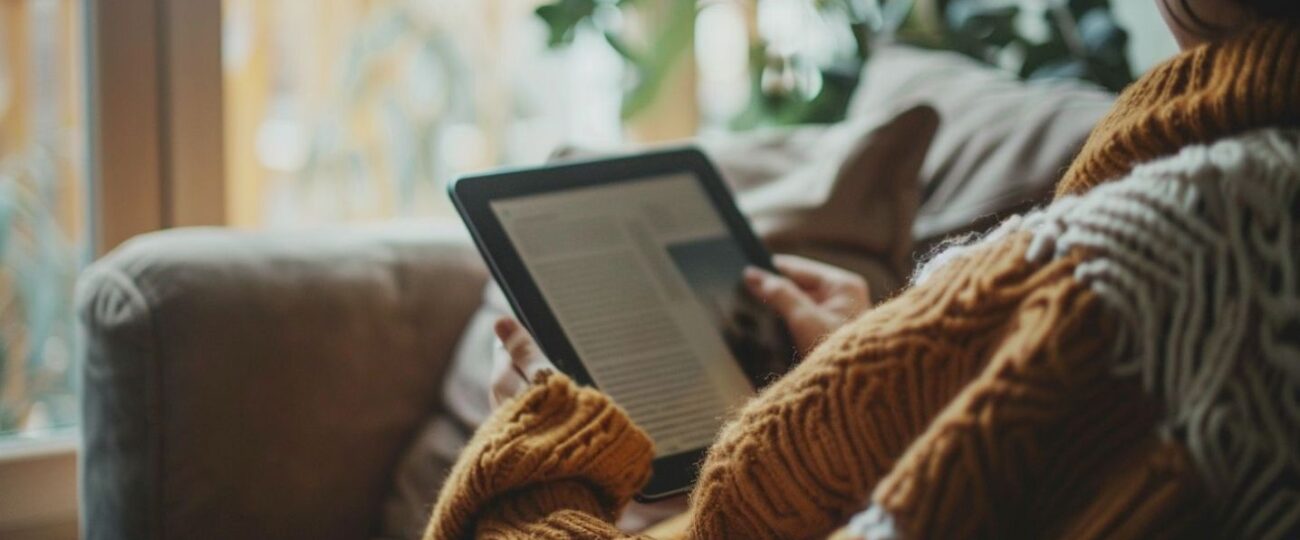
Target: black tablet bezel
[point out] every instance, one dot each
(472, 195)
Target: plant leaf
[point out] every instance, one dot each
(562, 18)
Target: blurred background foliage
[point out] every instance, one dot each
(38, 265)
(367, 116)
(1034, 39)
(42, 213)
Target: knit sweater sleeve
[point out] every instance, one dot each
(559, 461)
(806, 454)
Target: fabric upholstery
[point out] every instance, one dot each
(262, 385)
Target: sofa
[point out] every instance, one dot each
(281, 384)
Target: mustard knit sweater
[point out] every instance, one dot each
(984, 401)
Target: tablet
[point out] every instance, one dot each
(628, 272)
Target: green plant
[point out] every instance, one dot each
(1034, 39)
(652, 61)
(1077, 38)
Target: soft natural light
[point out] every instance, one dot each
(42, 211)
(370, 114)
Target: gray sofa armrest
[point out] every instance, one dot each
(262, 385)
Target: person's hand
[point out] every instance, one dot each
(516, 361)
(814, 298)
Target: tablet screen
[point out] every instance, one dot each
(645, 280)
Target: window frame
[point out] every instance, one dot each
(155, 117)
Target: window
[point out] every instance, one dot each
(370, 114)
(43, 216)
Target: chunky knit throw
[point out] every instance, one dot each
(1122, 364)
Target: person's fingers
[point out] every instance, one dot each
(779, 292)
(517, 341)
(805, 272)
(824, 281)
(816, 275)
(506, 381)
(505, 327)
(526, 357)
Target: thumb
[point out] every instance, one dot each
(786, 298)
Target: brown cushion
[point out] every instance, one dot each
(1002, 143)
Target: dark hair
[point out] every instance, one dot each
(1273, 9)
(1263, 9)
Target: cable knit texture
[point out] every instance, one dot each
(1122, 364)
(559, 461)
(1214, 91)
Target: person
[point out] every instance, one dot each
(1121, 363)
